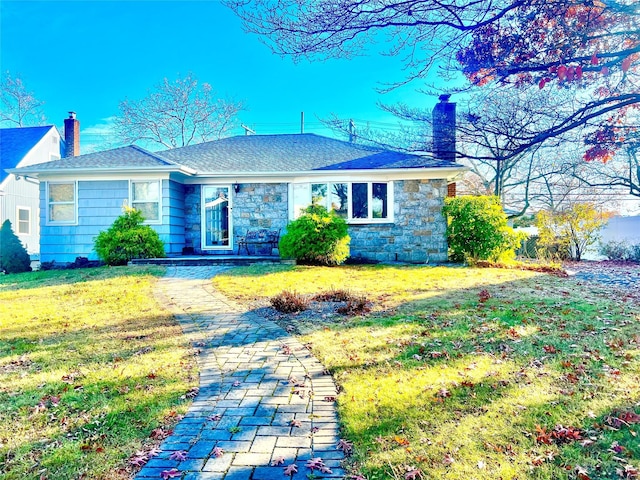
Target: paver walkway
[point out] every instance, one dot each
(262, 397)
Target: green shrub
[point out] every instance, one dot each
(127, 239)
(635, 253)
(477, 230)
(318, 237)
(616, 250)
(13, 256)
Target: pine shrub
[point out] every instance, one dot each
(127, 239)
(318, 237)
(13, 256)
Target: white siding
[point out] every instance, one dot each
(24, 192)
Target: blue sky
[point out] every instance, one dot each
(87, 56)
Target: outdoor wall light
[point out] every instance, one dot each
(236, 187)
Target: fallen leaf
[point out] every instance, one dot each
(413, 474)
(581, 473)
(345, 446)
(291, 469)
(179, 455)
(218, 452)
(173, 473)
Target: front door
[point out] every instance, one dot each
(216, 217)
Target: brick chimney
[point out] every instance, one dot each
(444, 129)
(71, 136)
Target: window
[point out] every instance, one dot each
(62, 202)
(24, 221)
(355, 202)
(145, 196)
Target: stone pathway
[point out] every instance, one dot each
(263, 397)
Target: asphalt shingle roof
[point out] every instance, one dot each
(291, 153)
(15, 143)
(123, 157)
(249, 155)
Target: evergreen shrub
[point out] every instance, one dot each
(477, 230)
(127, 239)
(318, 237)
(13, 256)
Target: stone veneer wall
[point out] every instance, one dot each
(418, 234)
(256, 205)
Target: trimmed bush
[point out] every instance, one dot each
(318, 237)
(477, 230)
(127, 239)
(13, 256)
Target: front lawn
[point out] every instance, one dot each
(475, 373)
(90, 365)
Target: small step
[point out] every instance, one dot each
(206, 260)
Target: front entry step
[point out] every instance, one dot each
(199, 261)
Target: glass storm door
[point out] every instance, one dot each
(216, 218)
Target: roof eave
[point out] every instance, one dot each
(35, 173)
(453, 170)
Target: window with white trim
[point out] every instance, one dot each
(61, 202)
(23, 218)
(145, 196)
(356, 202)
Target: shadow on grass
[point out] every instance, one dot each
(454, 374)
(47, 278)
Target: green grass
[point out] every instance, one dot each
(460, 388)
(89, 365)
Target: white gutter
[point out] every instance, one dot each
(34, 173)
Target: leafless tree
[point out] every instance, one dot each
(622, 172)
(175, 114)
(506, 43)
(20, 107)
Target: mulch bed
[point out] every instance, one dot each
(314, 317)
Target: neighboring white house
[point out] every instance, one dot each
(20, 196)
(622, 229)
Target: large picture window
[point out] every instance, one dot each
(145, 196)
(355, 202)
(61, 202)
